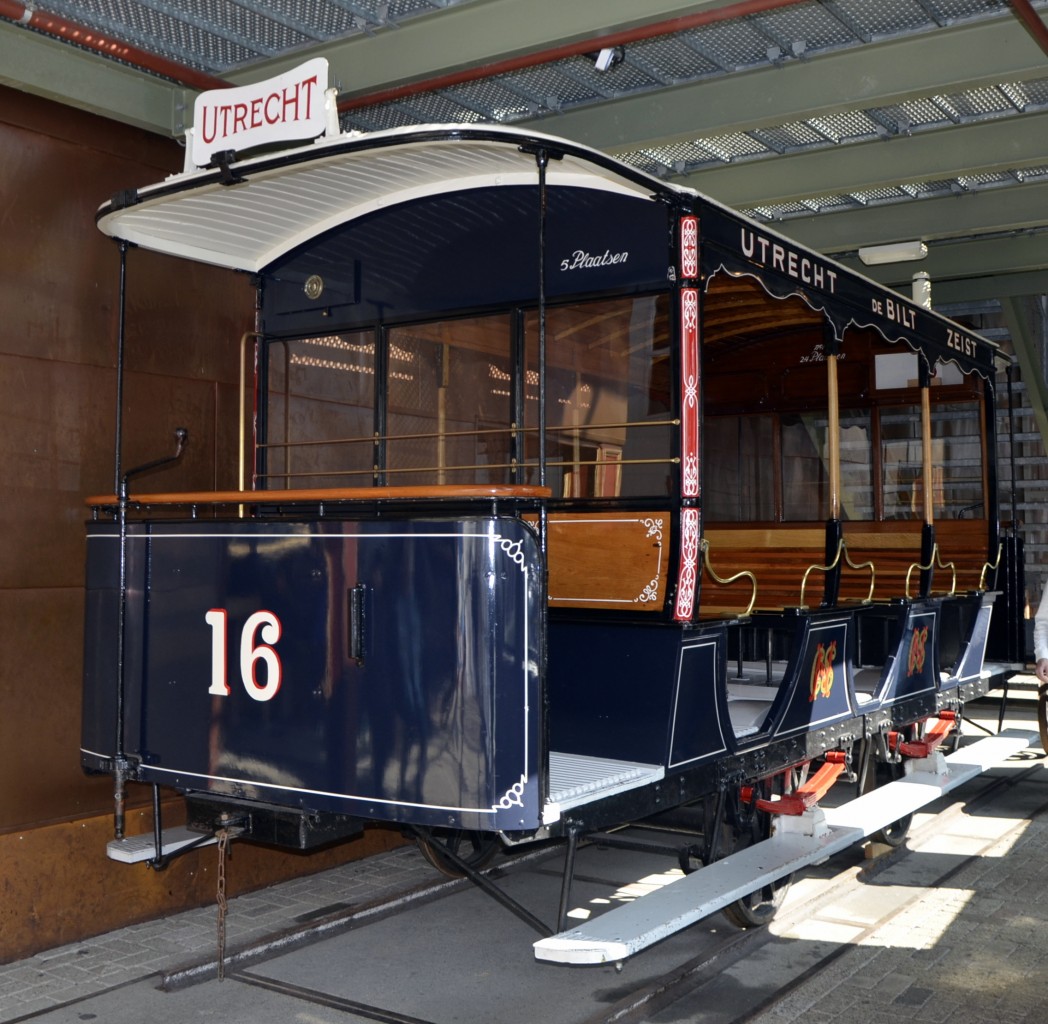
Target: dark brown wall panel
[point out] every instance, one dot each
(57, 886)
(58, 317)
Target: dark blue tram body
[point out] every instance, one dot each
(501, 605)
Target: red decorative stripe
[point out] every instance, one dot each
(687, 576)
(689, 247)
(689, 392)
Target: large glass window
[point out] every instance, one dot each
(608, 403)
(320, 411)
(957, 458)
(766, 440)
(449, 413)
(741, 477)
(446, 413)
(857, 500)
(901, 461)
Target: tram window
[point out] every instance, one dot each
(449, 412)
(805, 467)
(958, 462)
(608, 404)
(901, 460)
(740, 476)
(319, 414)
(856, 466)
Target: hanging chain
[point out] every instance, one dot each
(222, 835)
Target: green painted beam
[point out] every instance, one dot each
(985, 147)
(473, 35)
(1016, 209)
(999, 286)
(873, 75)
(57, 71)
(1028, 352)
(984, 258)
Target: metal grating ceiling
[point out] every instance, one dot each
(799, 32)
(218, 37)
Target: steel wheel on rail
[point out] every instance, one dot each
(751, 825)
(893, 835)
(475, 849)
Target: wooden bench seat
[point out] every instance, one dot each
(780, 555)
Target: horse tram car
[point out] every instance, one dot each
(569, 498)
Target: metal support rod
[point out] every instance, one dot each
(158, 832)
(120, 487)
(486, 885)
(1011, 445)
(542, 159)
(565, 882)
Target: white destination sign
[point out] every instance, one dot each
(288, 107)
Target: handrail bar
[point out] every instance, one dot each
(526, 464)
(730, 579)
(934, 561)
(513, 428)
(990, 566)
(842, 549)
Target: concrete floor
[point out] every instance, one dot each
(951, 929)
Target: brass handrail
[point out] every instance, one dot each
(990, 566)
(842, 549)
(935, 561)
(430, 435)
(730, 579)
(465, 467)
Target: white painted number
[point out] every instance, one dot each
(251, 653)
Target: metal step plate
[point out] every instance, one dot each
(136, 849)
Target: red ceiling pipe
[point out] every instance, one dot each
(1031, 19)
(633, 35)
(91, 39)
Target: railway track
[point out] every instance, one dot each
(704, 985)
(444, 952)
(675, 995)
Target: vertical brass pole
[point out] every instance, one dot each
(928, 480)
(926, 444)
(833, 436)
(834, 531)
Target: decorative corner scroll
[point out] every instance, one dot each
(514, 549)
(651, 590)
(513, 796)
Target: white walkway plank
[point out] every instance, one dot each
(798, 842)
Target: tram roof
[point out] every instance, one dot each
(247, 213)
(253, 211)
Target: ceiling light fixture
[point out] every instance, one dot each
(608, 58)
(896, 252)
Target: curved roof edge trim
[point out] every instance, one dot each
(246, 214)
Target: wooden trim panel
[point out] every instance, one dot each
(610, 560)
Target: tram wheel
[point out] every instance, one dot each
(751, 825)
(475, 848)
(759, 907)
(893, 835)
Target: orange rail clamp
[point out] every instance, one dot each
(811, 792)
(937, 732)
